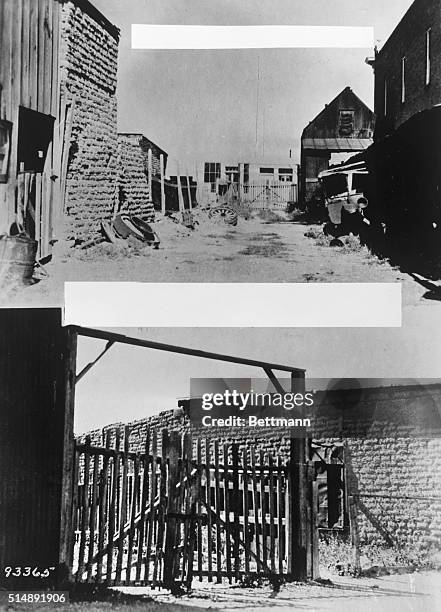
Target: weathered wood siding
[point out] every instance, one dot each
(35, 433)
(29, 42)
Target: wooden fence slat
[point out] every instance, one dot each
(236, 508)
(264, 508)
(158, 568)
(255, 504)
(280, 530)
(75, 508)
(132, 519)
(227, 513)
(186, 523)
(193, 493)
(84, 515)
(102, 514)
(217, 503)
(199, 507)
(122, 506)
(113, 509)
(152, 492)
(272, 514)
(209, 517)
(144, 498)
(246, 534)
(93, 510)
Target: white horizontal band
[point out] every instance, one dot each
(233, 304)
(148, 36)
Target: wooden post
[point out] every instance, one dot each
(303, 545)
(297, 563)
(355, 536)
(150, 174)
(67, 486)
(180, 196)
(190, 206)
(161, 164)
(241, 181)
(197, 193)
(170, 553)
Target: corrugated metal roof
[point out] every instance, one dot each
(337, 144)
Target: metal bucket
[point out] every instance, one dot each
(17, 259)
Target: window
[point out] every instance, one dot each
(35, 132)
(5, 148)
(212, 172)
(331, 484)
(428, 67)
(403, 80)
(346, 122)
(285, 175)
(385, 98)
(266, 170)
(232, 174)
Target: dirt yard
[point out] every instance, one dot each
(416, 592)
(254, 251)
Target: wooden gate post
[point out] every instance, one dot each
(172, 454)
(303, 544)
(297, 565)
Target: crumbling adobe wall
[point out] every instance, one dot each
(392, 444)
(133, 188)
(88, 64)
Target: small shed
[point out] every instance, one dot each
(139, 191)
(344, 126)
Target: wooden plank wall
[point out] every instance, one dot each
(35, 425)
(29, 43)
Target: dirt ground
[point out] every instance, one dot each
(253, 251)
(416, 592)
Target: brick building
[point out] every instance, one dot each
(134, 185)
(405, 159)
(388, 439)
(345, 126)
(407, 70)
(88, 74)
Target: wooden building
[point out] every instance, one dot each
(58, 123)
(344, 127)
(36, 430)
(30, 178)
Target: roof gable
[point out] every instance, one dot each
(325, 124)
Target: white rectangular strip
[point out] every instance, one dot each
(233, 304)
(148, 36)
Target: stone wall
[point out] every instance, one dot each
(133, 187)
(392, 441)
(88, 64)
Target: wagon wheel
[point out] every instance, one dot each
(223, 214)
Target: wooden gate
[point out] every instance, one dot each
(182, 509)
(268, 195)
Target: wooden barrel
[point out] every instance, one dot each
(17, 259)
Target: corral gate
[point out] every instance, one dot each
(184, 509)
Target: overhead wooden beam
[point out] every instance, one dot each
(123, 339)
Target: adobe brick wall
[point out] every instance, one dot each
(393, 455)
(88, 64)
(133, 186)
(409, 40)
